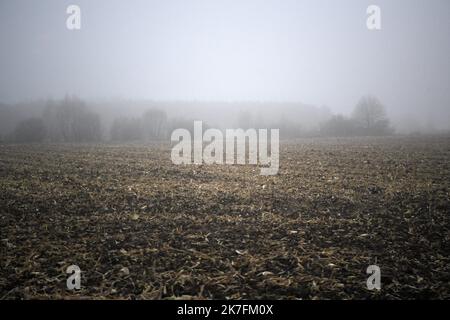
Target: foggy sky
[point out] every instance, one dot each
(316, 52)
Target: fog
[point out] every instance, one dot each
(298, 60)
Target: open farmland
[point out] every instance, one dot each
(141, 227)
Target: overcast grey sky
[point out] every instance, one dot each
(317, 52)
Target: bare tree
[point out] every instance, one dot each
(154, 124)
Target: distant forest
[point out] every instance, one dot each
(74, 120)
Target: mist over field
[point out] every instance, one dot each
(108, 189)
